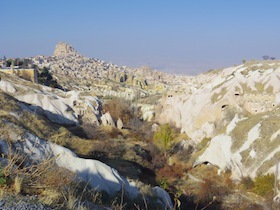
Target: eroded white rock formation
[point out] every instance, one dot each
(245, 151)
(218, 96)
(97, 174)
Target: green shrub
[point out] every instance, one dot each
(163, 137)
(169, 174)
(203, 144)
(2, 177)
(264, 185)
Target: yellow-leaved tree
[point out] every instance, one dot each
(163, 137)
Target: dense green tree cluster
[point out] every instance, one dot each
(45, 78)
(21, 63)
(264, 184)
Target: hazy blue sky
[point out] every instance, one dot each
(181, 36)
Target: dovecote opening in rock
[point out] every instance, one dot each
(224, 106)
(202, 163)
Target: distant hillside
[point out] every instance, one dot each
(73, 70)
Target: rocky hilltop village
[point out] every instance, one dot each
(129, 83)
(137, 138)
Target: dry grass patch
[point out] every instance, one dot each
(269, 163)
(12, 112)
(216, 96)
(262, 145)
(38, 125)
(118, 108)
(34, 177)
(46, 180)
(240, 132)
(212, 187)
(8, 103)
(18, 184)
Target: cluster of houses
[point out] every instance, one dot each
(25, 73)
(2, 63)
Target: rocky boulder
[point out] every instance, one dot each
(99, 175)
(120, 124)
(107, 120)
(55, 109)
(248, 147)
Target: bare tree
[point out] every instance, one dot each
(266, 57)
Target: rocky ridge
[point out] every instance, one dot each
(59, 106)
(236, 108)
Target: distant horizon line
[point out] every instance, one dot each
(175, 68)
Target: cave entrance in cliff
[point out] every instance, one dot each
(203, 164)
(224, 106)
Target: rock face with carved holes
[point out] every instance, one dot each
(237, 109)
(253, 88)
